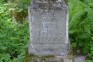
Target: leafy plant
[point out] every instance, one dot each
(81, 26)
(13, 37)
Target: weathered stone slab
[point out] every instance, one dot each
(48, 28)
(80, 59)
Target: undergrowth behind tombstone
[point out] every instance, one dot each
(14, 36)
(81, 27)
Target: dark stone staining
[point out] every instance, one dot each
(36, 58)
(47, 58)
(48, 4)
(62, 60)
(54, 60)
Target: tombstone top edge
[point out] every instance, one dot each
(48, 4)
(47, 0)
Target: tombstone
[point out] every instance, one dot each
(48, 22)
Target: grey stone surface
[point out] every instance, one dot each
(48, 27)
(79, 58)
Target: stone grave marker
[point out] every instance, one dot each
(48, 22)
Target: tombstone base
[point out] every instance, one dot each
(52, 59)
(59, 59)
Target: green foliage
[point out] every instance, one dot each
(13, 37)
(81, 26)
(18, 8)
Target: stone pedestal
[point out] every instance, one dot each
(52, 59)
(48, 22)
